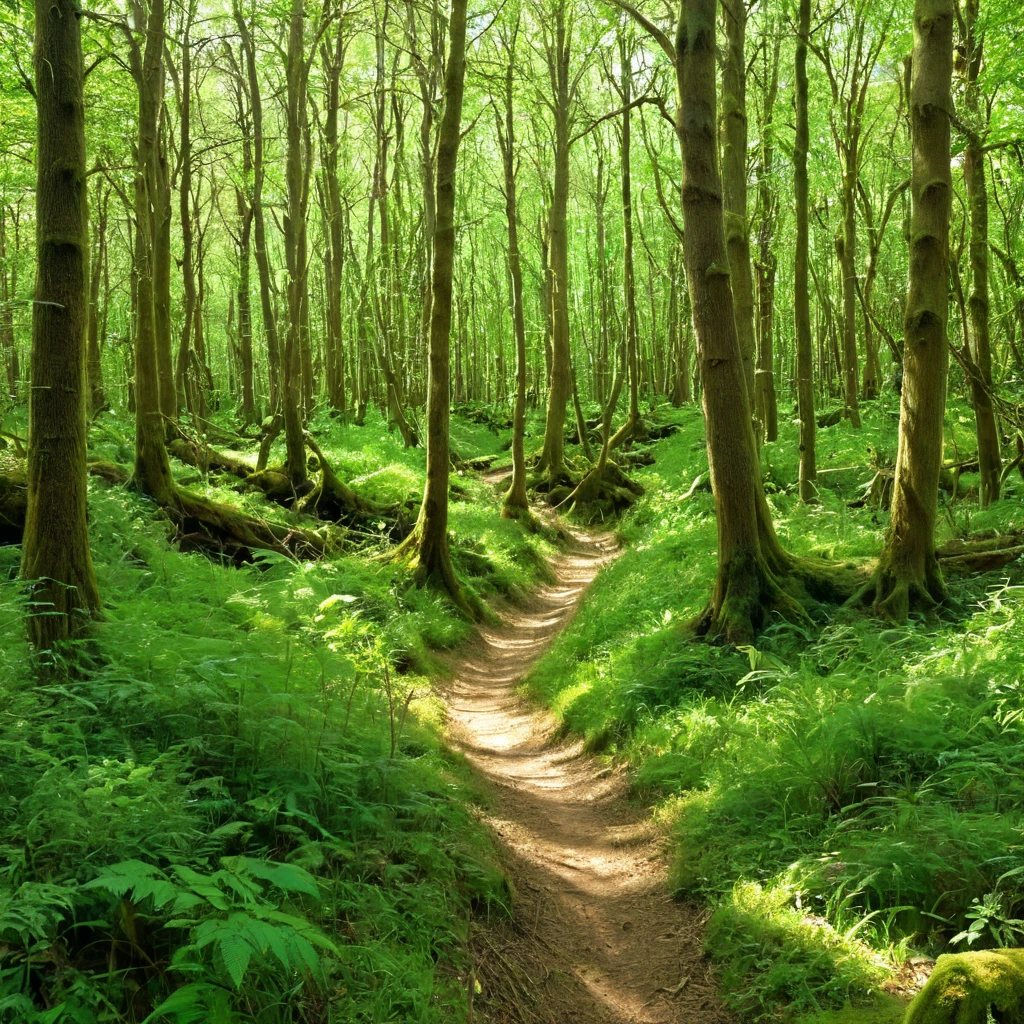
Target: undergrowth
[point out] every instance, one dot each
(842, 794)
(238, 808)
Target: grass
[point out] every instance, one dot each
(241, 809)
(840, 794)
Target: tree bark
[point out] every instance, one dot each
(552, 460)
(908, 574)
(56, 562)
(294, 223)
(989, 459)
(516, 501)
(93, 359)
(733, 135)
(801, 268)
(430, 539)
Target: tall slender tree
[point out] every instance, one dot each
(801, 267)
(429, 541)
(908, 573)
(56, 561)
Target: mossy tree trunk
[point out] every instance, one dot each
(801, 267)
(516, 501)
(733, 139)
(908, 573)
(152, 474)
(432, 556)
(633, 426)
(294, 229)
(751, 562)
(56, 562)
(558, 47)
(989, 460)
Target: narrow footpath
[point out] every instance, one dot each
(597, 938)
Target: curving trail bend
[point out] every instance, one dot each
(597, 937)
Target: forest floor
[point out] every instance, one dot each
(597, 936)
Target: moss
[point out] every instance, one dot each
(963, 987)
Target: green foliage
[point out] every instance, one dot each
(838, 792)
(239, 809)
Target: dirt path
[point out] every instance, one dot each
(597, 938)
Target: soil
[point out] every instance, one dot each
(597, 937)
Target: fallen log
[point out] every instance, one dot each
(192, 453)
(199, 523)
(982, 553)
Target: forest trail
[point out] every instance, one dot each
(597, 938)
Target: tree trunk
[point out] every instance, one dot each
(259, 220)
(552, 460)
(93, 360)
(430, 539)
(633, 427)
(750, 559)
(161, 212)
(766, 405)
(56, 562)
(516, 501)
(908, 573)
(989, 460)
(152, 473)
(801, 269)
(295, 443)
(733, 133)
(846, 246)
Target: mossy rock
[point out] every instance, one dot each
(963, 987)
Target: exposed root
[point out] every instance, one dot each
(523, 516)
(604, 492)
(431, 566)
(747, 598)
(334, 500)
(894, 591)
(633, 430)
(556, 483)
(750, 594)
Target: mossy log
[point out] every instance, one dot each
(877, 492)
(217, 529)
(199, 523)
(14, 493)
(965, 987)
(981, 553)
(192, 453)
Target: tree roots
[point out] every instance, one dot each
(894, 590)
(751, 594)
(604, 492)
